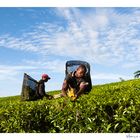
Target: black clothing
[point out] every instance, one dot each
(72, 82)
(41, 89)
(40, 93)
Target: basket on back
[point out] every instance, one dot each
(29, 88)
(72, 65)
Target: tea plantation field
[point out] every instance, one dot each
(109, 108)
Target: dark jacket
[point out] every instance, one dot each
(41, 89)
(72, 82)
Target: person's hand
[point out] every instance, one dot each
(50, 97)
(83, 85)
(73, 98)
(63, 95)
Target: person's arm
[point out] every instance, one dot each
(82, 87)
(65, 85)
(64, 88)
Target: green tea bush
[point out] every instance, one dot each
(109, 108)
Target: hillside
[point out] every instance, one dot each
(108, 108)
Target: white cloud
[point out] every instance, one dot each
(102, 35)
(56, 66)
(11, 42)
(99, 36)
(12, 72)
(131, 65)
(107, 44)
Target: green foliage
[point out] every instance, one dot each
(109, 108)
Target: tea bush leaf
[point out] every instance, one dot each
(108, 108)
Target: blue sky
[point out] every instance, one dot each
(41, 40)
